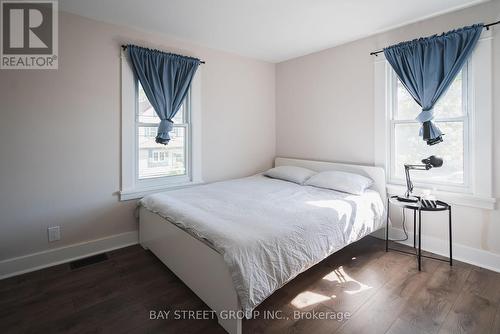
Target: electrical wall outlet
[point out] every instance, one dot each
(54, 233)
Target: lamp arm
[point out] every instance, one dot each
(418, 167)
(409, 184)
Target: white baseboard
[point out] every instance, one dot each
(474, 256)
(31, 262)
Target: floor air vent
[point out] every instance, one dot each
(88, 261)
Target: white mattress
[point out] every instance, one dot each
(269, 231)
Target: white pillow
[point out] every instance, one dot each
(290, 173)
(341, 181)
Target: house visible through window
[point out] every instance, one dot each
(451, 116)
(157, 160)
(158, 157)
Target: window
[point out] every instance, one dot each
(451, 116)
(157, 157)
(148, 167)
(464, 114)
(149, 131)
(154, 160)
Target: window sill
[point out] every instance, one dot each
(127, 195)
(470, 200)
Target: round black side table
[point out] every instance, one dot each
(421, 205)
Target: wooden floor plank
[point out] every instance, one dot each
(401, 326)
(381, 292)
(471, 314)
(484, 283)
(496, 324)
(434, 301)
(380, 312)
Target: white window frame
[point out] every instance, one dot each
(131, 186)
(466, 118)
(478, 192)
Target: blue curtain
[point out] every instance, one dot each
(428, 66)
(166, 79)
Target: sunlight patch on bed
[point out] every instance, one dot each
(308, 298)
(339, 275)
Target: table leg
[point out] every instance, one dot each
(449, 219)
(414, 229)
(387, 228)
(419, 240)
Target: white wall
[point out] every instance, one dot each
(60, 134)
(325, 111)
(60, 130)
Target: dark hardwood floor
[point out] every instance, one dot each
(366, 289)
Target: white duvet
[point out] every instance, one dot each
(269, 231)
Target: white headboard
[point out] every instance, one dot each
(377, 174)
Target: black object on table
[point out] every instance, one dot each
(421, 205)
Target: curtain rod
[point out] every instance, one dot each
(487, 26)
(124, 47)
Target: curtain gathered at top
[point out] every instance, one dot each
(166, 79)
(428, 66)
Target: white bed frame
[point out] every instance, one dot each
(201, 268)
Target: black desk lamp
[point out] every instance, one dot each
(428, 163)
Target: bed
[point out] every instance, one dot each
(235, 242)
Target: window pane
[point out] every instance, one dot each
(409, 148)
(406, 108)
(156, 160)
(450, 104)
(145, 111)
(147, 114)
(179, 117)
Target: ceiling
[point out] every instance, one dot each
(271, 30)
